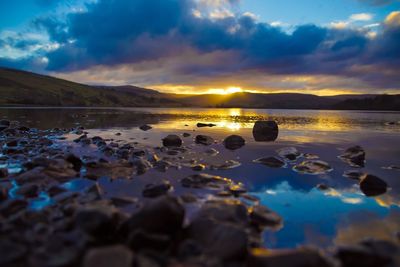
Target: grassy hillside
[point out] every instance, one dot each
(26, 88)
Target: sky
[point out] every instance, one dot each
(323, 47)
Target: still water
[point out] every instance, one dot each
(339, 215)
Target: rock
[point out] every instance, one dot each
(354, 156)
(198, 167)
(234, 142)
(5, 123)
(28, 190)
(186, 134)
(322, 187)
(301, 257)
(98, 221)
(163, 215)
(363, 256)
(212, 152)
(372, 185)
(115, 255)
(12, 206)
(204, 140)
(75, 161)
(3, 172)
(12, 143)
(156, 190)
(205, 125)
(265, 131)
(355, 175)
(172, 140)
(141, 165)
(3, 193)
(23, 129)
(141, 240)
(289, 153)
(314, 167)
(310, 156)
(203, 180)
(229, 164)
(123, 201)
(237, 189)
(264, 217)
(145, 127)
(272, 162)
(10, 252)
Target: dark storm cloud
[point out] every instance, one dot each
(122, 32)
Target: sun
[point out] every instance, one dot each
(225, 91)
(232, 90)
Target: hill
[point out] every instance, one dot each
(26, 88)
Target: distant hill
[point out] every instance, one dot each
(26, 88)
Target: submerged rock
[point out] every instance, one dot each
(234, 142)
(204, 140)
(265, 131)
(289, 153)
(115, 255)
(172, 140)
(272, 162)
(354, 156)
(313, 167)
(156, 190)
(372, 185)
(200, 124)
(145, 127)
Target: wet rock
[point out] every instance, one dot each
(229, 164)
(212, 152)
(272, 162)
(203, 180)
(186, 134)
(28, 190)
(156, 190)
(162, 165)
(264, 217)
(234, 142)
(205, 125)
(313, 167)
(163, 215)
(352, 174)
(141, 240)
(55, 190)
(265, 131)
(237, 189)
(172, 140)
(302, 257)
(115, 255)
(145, 127)
(204, 140)
(98, 221)
(123, 201)
(322, 187)
(289, 153)
(139, 153)
(363, 256)
(10, 252)
(75, 161)
(141, 165)
(354, 156)
(3, 172)
(188, 198)
(11, 206)
(372, 185)
(198, 167)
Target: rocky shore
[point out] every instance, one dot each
(210, 221)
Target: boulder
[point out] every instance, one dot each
(265, 131)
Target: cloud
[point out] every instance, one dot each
(361, 17)
(111, 34)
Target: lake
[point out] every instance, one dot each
(341, 214)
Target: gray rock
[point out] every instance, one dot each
(204, 140)
(234, 142)
(115, 255)
(172, 140)
(265, 131)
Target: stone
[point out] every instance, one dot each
(289, 153)
(186, 134)
(265, 131)
(372, 185)
(114, 255)
(141, 165)
(145, 127)
(354, 156)
(156, 190)
(234, 142)
(264, 217)
(272, 162)
(12, 206)
(352, 174)
(212, 152)
(229, 164)
(204, 140)
(198, 167)
(362, 256)
(314, 167)
(162, 215)
(140, 240)
(200, 125)
(172, 140)
(96, 221)
(28, 190)
(3, 172)
(75, 161)
(203, 180)
(301, 257)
